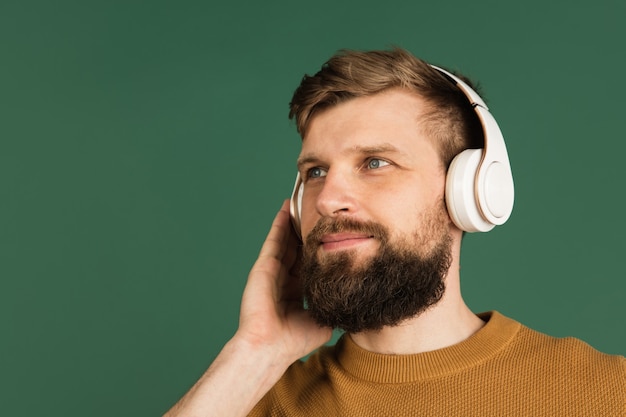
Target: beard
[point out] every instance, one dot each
(399, 282)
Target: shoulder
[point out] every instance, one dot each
(574, 349)
(551, 373)
(566, 357)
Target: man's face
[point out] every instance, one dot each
(374, 225)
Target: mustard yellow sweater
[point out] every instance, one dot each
(505, 369)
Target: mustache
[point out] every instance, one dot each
(330, 225)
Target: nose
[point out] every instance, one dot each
(337, 195)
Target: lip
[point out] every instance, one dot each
(340, 241)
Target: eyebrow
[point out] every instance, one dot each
(383, 148)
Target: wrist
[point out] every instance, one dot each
(260, 354)
(235, 382)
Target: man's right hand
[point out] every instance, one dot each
(272, 311)
(274, 331)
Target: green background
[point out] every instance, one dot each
(145, 147)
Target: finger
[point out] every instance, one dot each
(271, 267)
(276, 242)
(294, 249)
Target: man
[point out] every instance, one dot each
(381, 235)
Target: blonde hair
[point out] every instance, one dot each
(451, 122)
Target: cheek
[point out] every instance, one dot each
(404, 222)
(415, 212)
(308, 214)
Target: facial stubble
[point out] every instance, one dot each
(401, 281)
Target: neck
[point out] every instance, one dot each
(447, 323)
(434, 329)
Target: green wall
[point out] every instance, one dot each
(145, 147)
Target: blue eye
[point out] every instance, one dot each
(316, 172)
(375, 163)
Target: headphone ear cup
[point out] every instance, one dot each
(461, 192)
(295, 205)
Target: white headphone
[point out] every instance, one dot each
(479, 183)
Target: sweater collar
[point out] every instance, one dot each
(375, 367)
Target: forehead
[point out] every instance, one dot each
(389, 120)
